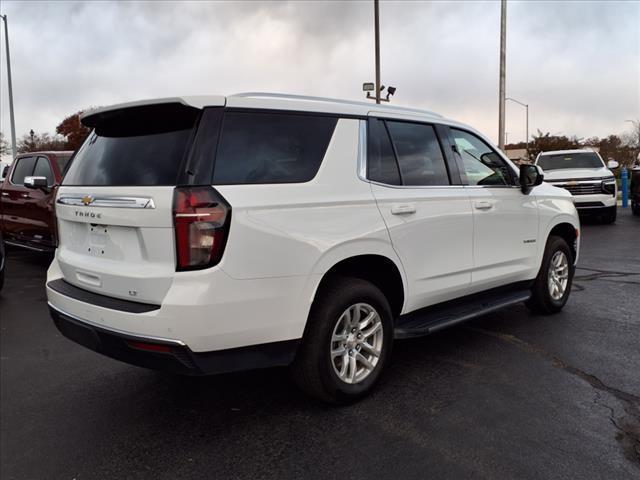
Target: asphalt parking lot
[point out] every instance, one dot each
(510, 395)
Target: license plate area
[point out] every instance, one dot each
(110, 242)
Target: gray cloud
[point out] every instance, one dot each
(576, 63)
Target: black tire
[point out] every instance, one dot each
(635, 207)
(312, 369)
(541, 300)
(609, 216)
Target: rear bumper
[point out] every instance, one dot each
(170, 355)
(206, 311)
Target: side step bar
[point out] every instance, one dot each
(431, 319)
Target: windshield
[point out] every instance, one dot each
(570, 160)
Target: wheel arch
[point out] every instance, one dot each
(378, 269)
(569, 232)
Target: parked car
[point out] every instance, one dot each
(634, 190)
(27, 213)
(212, 234)
(584, 174)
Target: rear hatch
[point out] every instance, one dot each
(114, 208)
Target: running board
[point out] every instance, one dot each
(431, 319)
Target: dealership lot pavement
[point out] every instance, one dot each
(510, 395)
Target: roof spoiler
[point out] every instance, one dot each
(95, 116)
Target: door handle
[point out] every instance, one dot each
(403, 209)
(483, 205)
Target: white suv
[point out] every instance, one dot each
(210, 234)
(584, 174)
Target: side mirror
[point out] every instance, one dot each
(612, 164)
(530, 176)
(36, 182)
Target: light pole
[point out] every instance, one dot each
(369, 87)
(376, 20)
(503, 69)
(14, 147)
(527, 127)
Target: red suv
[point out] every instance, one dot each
(27, 194)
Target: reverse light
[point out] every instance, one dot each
(201, 218)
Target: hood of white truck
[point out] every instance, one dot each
(576, 174)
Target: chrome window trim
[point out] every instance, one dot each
(414, 187)
(362, 165)
(111, 202)
(362, 150)
(492, 186)
(115, 330)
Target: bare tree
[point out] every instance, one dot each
(37, 142)
(632, 140)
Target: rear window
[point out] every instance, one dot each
(134, 147)
(271, 147)
(570, 160)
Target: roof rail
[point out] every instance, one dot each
(286, 96)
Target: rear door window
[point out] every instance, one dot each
(419, 154)
(43, 169)
(271, 147)
(381, 161)
(136, 146)
(24, 168)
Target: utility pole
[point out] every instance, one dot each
(14, 147)
(376, 20)
(503, 52)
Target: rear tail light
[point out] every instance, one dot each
(201, 218)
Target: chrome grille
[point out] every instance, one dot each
(583, 188)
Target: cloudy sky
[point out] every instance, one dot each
(576, 63)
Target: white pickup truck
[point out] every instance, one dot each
(585, 175)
